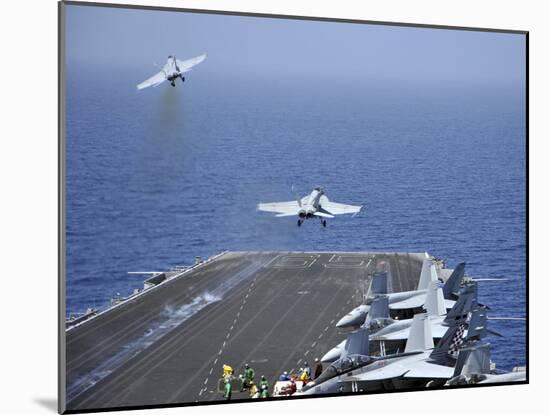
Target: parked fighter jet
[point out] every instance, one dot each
(432, 366)
(382, 327)
(437, 314)
(419, 364)
(172, 70)
(375, 320)
(406, 299)
(316, 204)
(355, 358)
(355, 355)
(476, 368)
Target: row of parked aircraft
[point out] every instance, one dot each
(453, 320)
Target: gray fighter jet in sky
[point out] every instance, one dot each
(172, 70)
(314, 205)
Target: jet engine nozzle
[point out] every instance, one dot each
(306, 213)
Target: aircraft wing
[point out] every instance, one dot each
(396, 335)
(438, 331)
(155, 80)
(185, 66)
(282, 208)
(393, 370)
(427, 370)
(323, 215)
(413, 302)
(338, 208)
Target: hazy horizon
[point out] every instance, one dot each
(131, 40)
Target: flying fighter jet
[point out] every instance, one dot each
(172, 70)
(316, 204)
(406, 299)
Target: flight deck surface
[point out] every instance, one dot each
(273, 310)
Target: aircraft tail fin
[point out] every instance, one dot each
(477, 327)
(426, 274)
(379, 283)
(296, 196)
(452, 285)
(449, 344)
(379, 308)
(435, 303)
(356, 343)
(463, 305)
(420, 335)
(474, 359)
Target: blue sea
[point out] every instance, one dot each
(159, 176)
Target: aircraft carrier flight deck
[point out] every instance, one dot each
(273, 310)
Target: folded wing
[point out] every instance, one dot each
(155, 80)
(413, 302)
(185, 66)
(338, 208)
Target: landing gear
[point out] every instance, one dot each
(324, 222)
(172, 83)
(299, 222)
(182, 78)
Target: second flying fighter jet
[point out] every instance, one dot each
(172, 70)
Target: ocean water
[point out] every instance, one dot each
(159, 176)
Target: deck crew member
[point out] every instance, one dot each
(227, 389)
(253, 392)
(227, 371)
(248, 377)
(284, 376)
(264, 387)
(318, 369)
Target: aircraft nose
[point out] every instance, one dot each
(332, 355)
(355, 317)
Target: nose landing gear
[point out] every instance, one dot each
(299, 222)
(324, 222)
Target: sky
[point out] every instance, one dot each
(237, 46)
